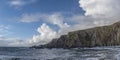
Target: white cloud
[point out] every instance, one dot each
(104, 8)
(30, 18)
(19, 3)
(57, 19)
(46, 34)
(102, 12)
(4, 30)
(7, 41)
(54, 18)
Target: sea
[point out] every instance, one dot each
(25, 53)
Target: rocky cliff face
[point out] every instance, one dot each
(98, 36)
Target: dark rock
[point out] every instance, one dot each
(98, 36)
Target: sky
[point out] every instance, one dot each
(35, 22)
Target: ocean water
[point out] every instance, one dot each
(97, 53)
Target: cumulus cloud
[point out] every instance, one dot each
(102, 12)
(104, 8)
(46, 34)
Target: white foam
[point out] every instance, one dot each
(92, 59)
(4, 56)
(117, 56)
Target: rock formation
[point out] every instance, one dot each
(98, 36)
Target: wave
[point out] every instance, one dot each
(96, 53)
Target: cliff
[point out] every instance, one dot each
(98, 36)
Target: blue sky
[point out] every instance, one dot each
(13, 11)
(31, 22)
(10, 14)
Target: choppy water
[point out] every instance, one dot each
(103, 53)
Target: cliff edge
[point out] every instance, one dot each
(98, 36)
